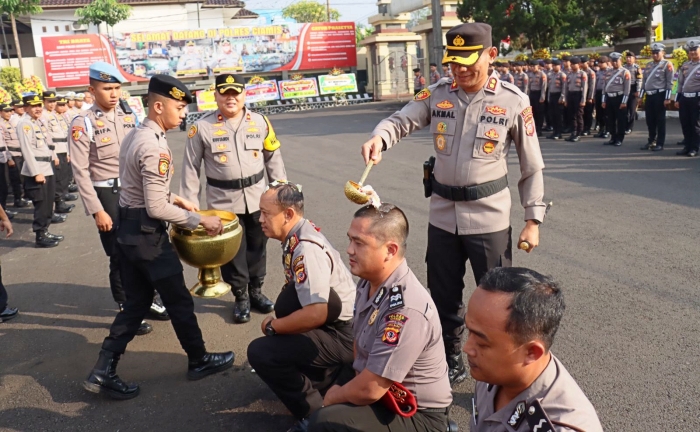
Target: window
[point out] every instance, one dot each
(67, 28)
(393, 25)
(55, 28)
(43, 29)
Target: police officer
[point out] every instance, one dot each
(505, 73)
(657, 86)
(5, 158)
(89, 100)
(18, 108)
(557, 99)
(309, 342)
(6, 312)
(522, 80)
(576, 92)
(227, 59)
(446, 72)
(616, 93)
(237, 146)
(590, 96)
(434, 74)
(635, 85)
(39, 181)
(65, 119)
(688, 100)
(15, 162)
(521, 386)
(418, 81)
(548, 70)
(57, 131)
(147, 260)
(397, 336)
(538, 93)
(79, 101)
(470, 201)
(95, 138)
(191, 60)
(601, 75)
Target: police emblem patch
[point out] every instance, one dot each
(192, 132)
(300, 273)
(422, 95)
(445, 104)
(392, 330)
(489, 147)
(492, 134)
(99, 123)
(495, 110)
(442, 127)
(27, 129)
(530, 129)
(77, 132)
(163, 166)
(223, 159)
(106, 139)
(440, 142)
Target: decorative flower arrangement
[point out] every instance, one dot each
(125, 94)
(680, 56)
(646, 51)
(564, 54)
(30, 85)
(335, 71)
(296, 77)
(521, 57)
(542, 54)
(594, 56)
(5, 96)
(256, 80)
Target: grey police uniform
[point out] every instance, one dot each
(58, 133)
(522, 82)
(657, 86)
(508, 77)
(576, 92)
(688, 98)
(553, 403)
(635, 86)
(616, 92)
(397, 336)
(600, 115)
(557, 96)
(190, 62)
(590, 100)
(11, 139)
(297, 367)
(538, 93)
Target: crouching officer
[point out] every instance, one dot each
(399, 357)
(521, 386)
(237, 146)
(474, 121)
(147, 259)
(39, 181)
(309, 343)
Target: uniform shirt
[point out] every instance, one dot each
(590, 73)
(522, 82)
(555, 389)
(14, 119)
(231, 149)
(94, 142)
(636, 73)
(55, 130)
(315, 267)
(188, 62)
(577, 82)
(558, 85)
(538, 82)
(418, 82)
(658, 76)
(398, 337)
(506, 76)
(5, 154)
(472, 137)
(601, 76)
(9, 135)
(617, 81)
(434, 77)
(33, 141)
(447, 74)
(145, 170)
(689, 78)
(222, 61)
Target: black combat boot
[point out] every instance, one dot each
(210, 363)
(70, 197)
(62, 207)
(73, 188)
(241, 309)
(21, 202)
(43, 241)
(157, 310)
(59, 238)
(144, 329)
(104, 378)
(58, 218)
(258, 300)
(457, 371)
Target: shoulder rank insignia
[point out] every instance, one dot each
(396, 298)
(192, 132)
(537, 419)
(518, 415)
(293, 243)
(491, 85)
(454, 86)
(379, 296)
(422, 95)
(373, 317)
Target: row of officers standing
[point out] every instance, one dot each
(404, 342)
(570, 93)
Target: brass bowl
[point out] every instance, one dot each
(353, 193)
(208, 253)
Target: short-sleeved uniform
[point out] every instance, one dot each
(398, 337)
(11, 139)
(557, 96)
(688, 98)
(576, 92)
(554, 393)
(600, 116)
(590, 100)
(657, 85)
(538, 92)
(635, 86)
(38, 159)
(298, 367)
(147, 259)
(57, 129)
(95, 139)
(522, 82)
(616, 92)
(237, 153)
(470, 202)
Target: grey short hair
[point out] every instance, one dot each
(388, 223)
(289, 195)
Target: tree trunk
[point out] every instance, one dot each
(19, 51)
(648, 30)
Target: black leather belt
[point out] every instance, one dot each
(434, 410)
(43, 158)
(238, 183)
(60, 140)
(14, 149)
(469, 193)
(52, 147)
(130, 213)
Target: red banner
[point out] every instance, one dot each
(324, 46)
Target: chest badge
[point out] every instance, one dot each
(106, 139)
(518, 415)
(217, 124)
(489, 147)
(99, 123)
(221, 146)
(440, 142)
(220, 132)
(223, 159)
(495, 110)
(442, 127)
(445, 104)
(128, 119)
(491, 134)
(373, 317)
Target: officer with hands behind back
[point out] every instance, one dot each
(147, 259)
(470, 202)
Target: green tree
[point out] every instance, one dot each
(15, 8)
(109, 12)
(309, 11)
(681, 18)
(362, 31)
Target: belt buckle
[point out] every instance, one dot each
(246, 182)
(110, 182)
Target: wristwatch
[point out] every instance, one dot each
(269, 330)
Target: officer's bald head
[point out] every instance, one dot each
(387, 223)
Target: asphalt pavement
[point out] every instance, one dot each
(622, 238)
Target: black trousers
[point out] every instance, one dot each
(63, 173)
(547, 112)
(109, 198)
(556, 113)
(537, 109)
(655, 112)
(446, 258)
(300, 368)
(248, 267)
(588, 115)
(139, 287)
(374, 418)
(16, 178)
(632, 102)
(42, 195)
(616, 118)
(3, 294)
(575, 110)
(4, 183)
(689, 113)
(599, 111)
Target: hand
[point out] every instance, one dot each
(6, 225)
(11, 163)
(372, 149)
(541, 100)
(636, 94)
(56, 162)
(640, 103)
(583, 104)
(187, 205)
(264, 323)
(603, 105)
(667, 103)
(677, 105)
(591, 101)
(212, 224)
(67, 158)
(530, 234)
(332, 396)
(39, 178)
(103, 221)
(563, 102)
(623, 106)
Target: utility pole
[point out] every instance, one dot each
(438, 49)
(328, 10)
